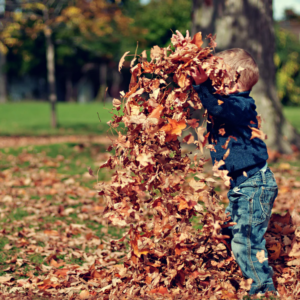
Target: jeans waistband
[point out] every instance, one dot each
(261, 175)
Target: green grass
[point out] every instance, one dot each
(293, 115)
(33, 118)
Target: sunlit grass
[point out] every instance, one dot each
(33, 118)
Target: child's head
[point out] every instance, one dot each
(235, 58)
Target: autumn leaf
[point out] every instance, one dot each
(91, 172)
(116, 103)
(274, 251)
(174, 127)
(246, 284)
(193, 123)
(189, 139)
(122, 60)
(55, 264)
(226, 154)
(84, 294)
(256, 133)
(144, 159)
(156, 113)
(61, 272)
(197, 185)
(156, 52)
(136, 251)
(179, 249)
(260, 255)
(161, 290)
(197, 39)
(4, 279)
(51, 232)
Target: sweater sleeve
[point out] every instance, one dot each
(233, 108)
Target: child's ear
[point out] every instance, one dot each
(233, 90)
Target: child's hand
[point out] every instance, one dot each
(199, 75)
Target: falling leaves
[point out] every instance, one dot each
(156, 187)
(122, 60)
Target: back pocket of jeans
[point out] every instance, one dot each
(267, 198)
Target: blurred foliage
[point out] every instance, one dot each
(96, 30)
(287, 60)
(162, 18)
(82, 31)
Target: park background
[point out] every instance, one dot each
(68, 51)
(58, 77)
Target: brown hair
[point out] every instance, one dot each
(238, 59)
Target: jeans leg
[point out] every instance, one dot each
(263, 272)
(248, 239)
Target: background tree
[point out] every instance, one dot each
(99, 28)
(249, 24)
(287, 58)
(160, 19)
(90, 26)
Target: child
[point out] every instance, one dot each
(253, 187)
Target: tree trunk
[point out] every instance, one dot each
(115, 87)
(3, 94)
(248, 24)
(51, 75)
(69, 89)
(103, 81)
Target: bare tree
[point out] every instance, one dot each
(248, 24)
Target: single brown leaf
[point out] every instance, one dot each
(260, 255)
(256, 133)
(226, 154)
(276, 249)
(189, 139)
(122, 60)
(197, 39)
(156, 113)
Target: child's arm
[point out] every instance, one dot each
(231, 107)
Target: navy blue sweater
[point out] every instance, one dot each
(231, 120)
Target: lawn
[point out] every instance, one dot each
(293, 115)
(33, 118)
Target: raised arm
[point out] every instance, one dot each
(236, 108)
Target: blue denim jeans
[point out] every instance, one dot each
(250, 207)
